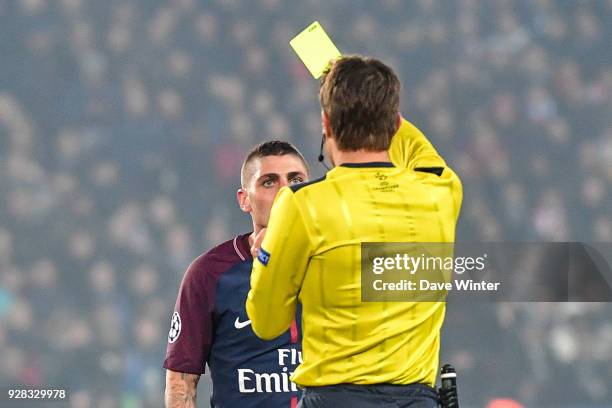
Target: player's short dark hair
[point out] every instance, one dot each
(361, 98)
(270, 148)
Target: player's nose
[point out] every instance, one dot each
(284, 183)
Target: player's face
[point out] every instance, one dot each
(270, 174)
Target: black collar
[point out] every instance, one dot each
(368, 164)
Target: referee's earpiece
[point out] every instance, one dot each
(321, 157)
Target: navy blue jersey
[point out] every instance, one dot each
(210, 325)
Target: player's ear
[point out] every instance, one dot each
(243, 200)
(398, 121)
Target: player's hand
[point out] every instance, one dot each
(257, 242)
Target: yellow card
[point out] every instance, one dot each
(315, 49)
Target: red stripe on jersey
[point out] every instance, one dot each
(294, 332)
(294, 402)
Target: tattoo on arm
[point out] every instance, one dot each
(181, 389)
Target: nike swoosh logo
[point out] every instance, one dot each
(241, 325)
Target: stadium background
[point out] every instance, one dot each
(123, 124)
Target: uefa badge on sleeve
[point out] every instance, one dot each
(175, 328)
(263, 256)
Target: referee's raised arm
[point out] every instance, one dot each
(411, 149)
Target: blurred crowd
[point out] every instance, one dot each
(123, 125)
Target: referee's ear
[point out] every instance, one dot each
(243, 200)
(398, 121)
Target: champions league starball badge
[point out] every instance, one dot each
(175, 328)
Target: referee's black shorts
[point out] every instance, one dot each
(369, 396)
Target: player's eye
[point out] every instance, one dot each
(296, 180)
(268, 183)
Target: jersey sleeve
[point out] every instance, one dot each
(457, 192)
(191, 327)
(279, 269)
(411, 149)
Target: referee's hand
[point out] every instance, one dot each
(257, 242)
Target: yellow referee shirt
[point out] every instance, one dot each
(311, 253)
